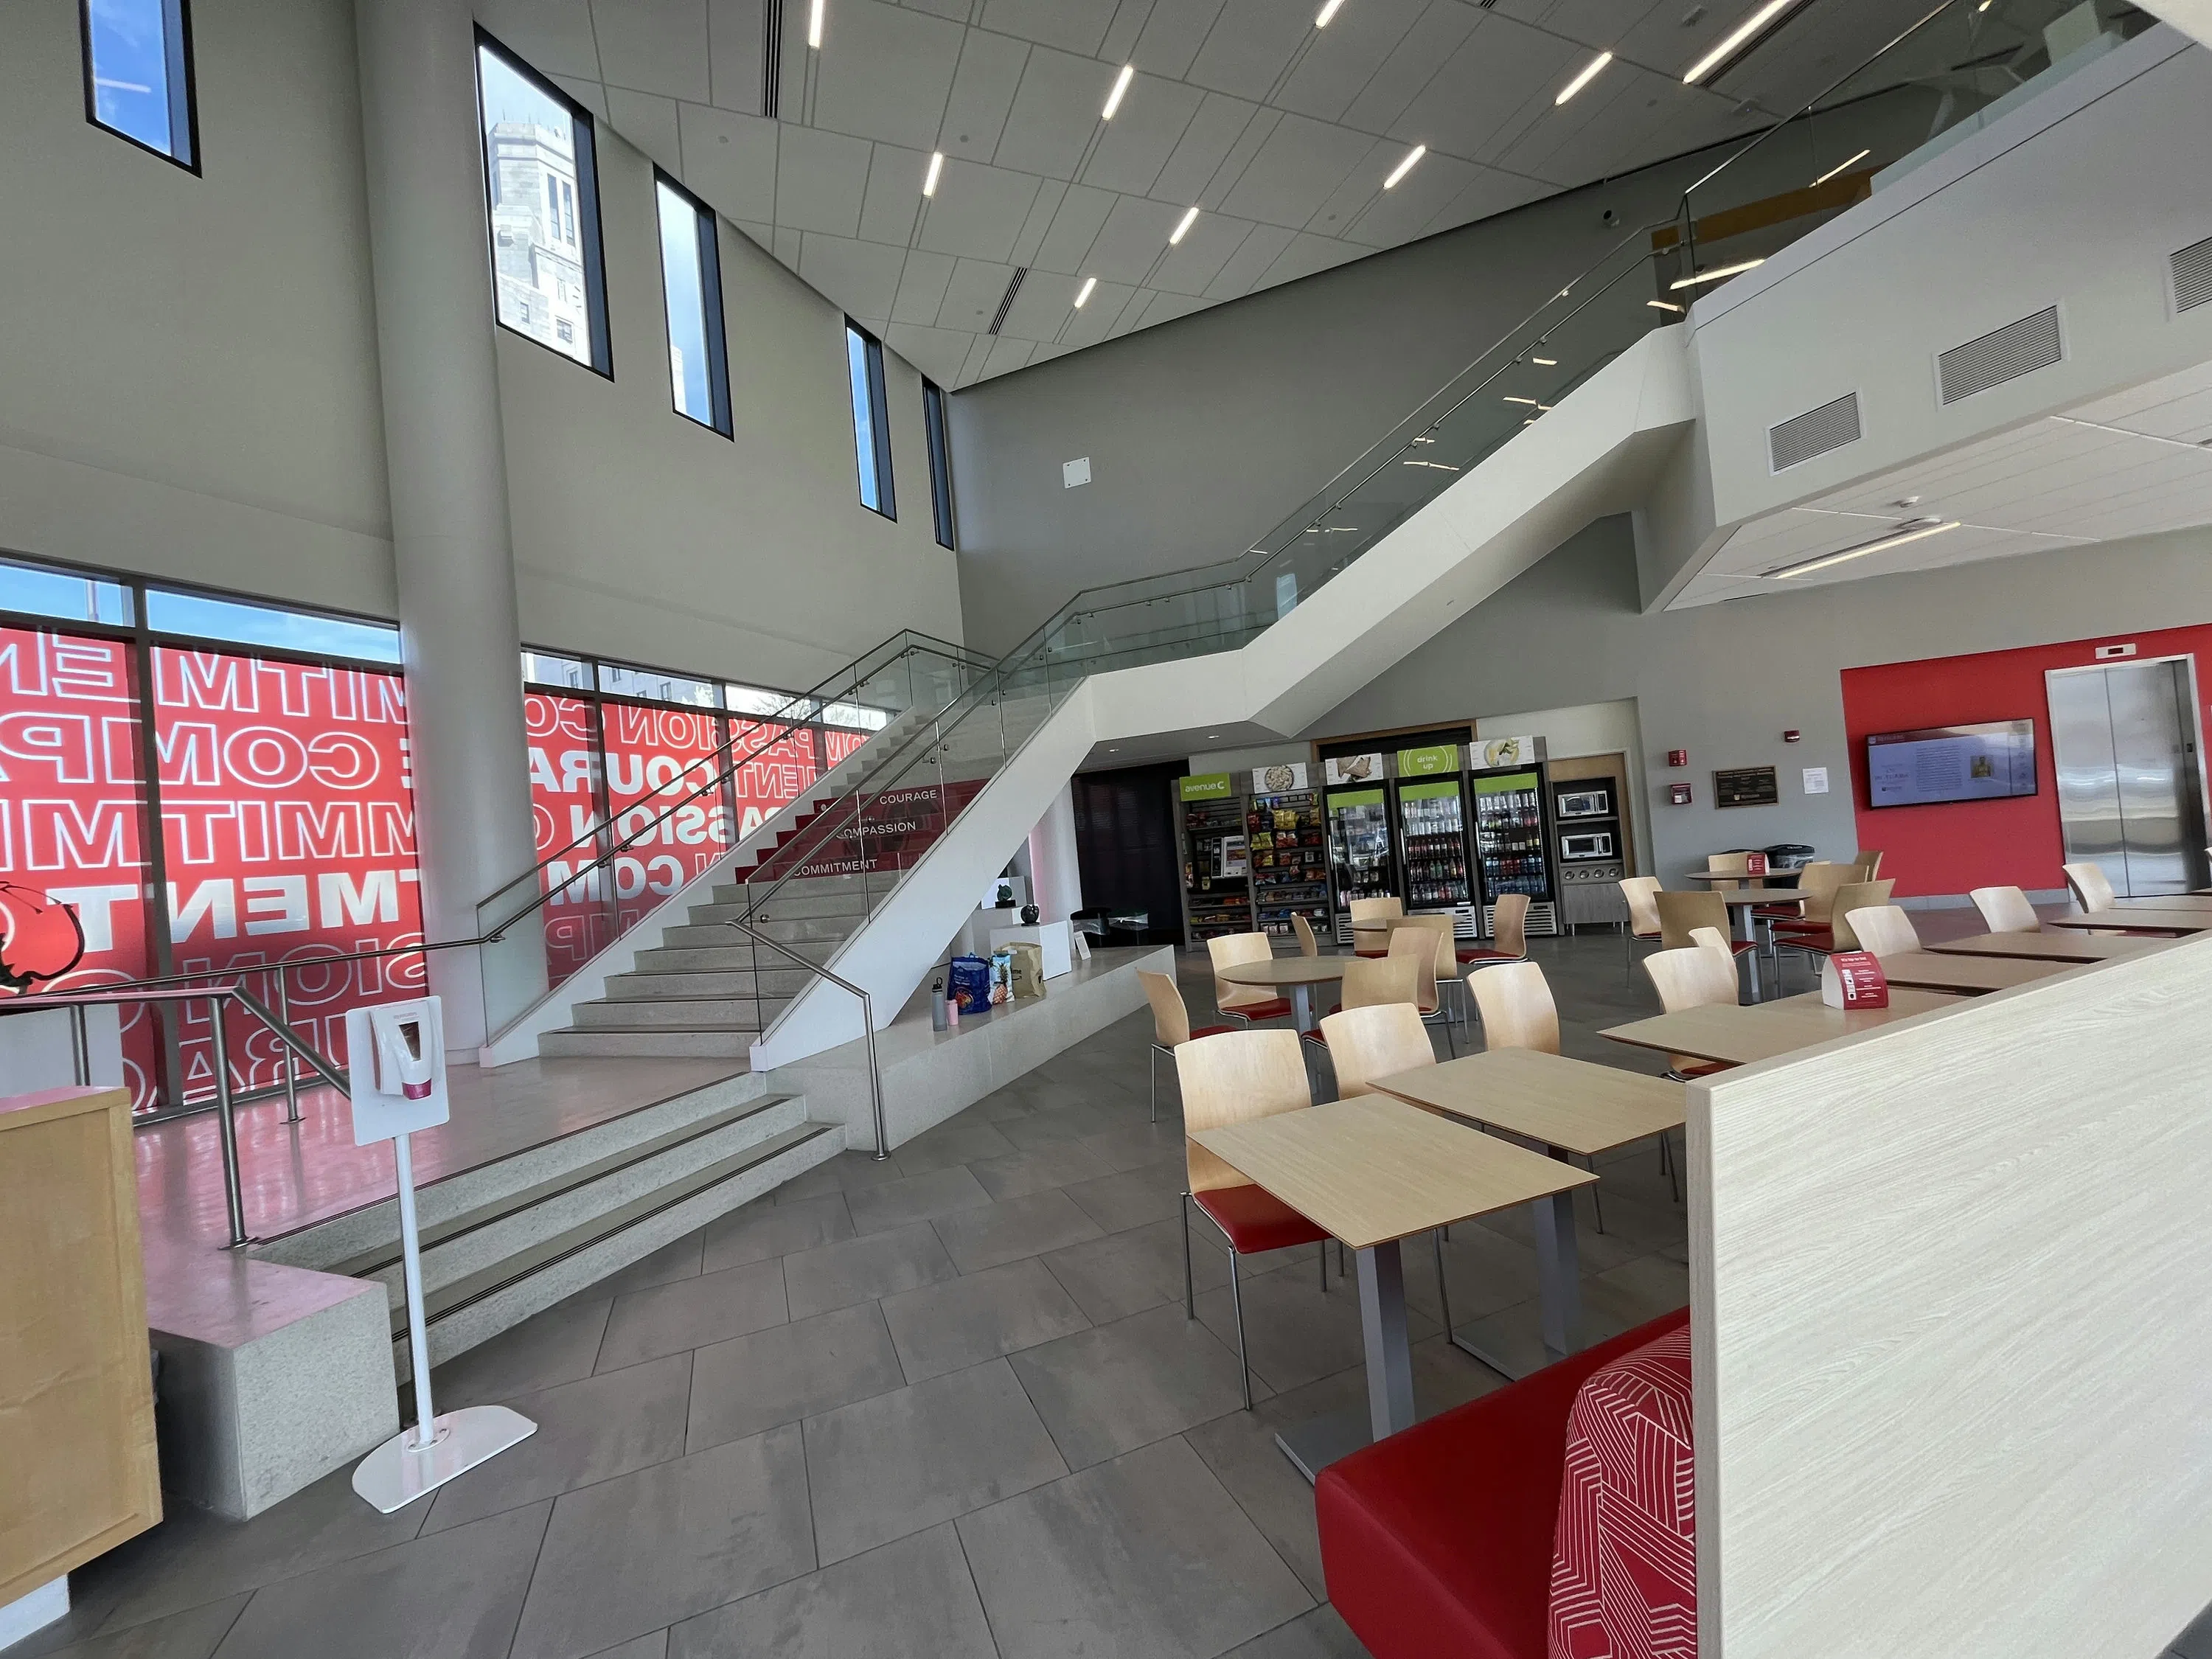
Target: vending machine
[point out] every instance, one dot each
(1513, 829)
(1432, 830)
(1356, 805)
(1288, 848)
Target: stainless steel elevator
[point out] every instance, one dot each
(2130, 774)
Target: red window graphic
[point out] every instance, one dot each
(659, 761)
(564, 797)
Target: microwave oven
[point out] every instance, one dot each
(1585, 804)
(1586, 844)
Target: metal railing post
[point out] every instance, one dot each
(284, 1053)
(80, 1046)
(234, 1195)
(867, 1021)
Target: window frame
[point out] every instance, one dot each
(593, 260)
(940, 466)
(880, 424)
(184, 85)
(708, 227)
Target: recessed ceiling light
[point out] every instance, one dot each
(1840, 166)
(1327, 12)
(1918, 530)
(1182, 228)
(936, 167)
(1121, 85)
(1662, 305)
(1548, 363)
(1743, 35)
(1697, 278)
(1406, 165)
(1531, 401)
(1591, 70)
(1089, 282)
(814, 24)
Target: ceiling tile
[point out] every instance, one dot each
(1386, 217)
(1046, 303)
(1007, 356)
(787, 242)
(554, 37)
(861, 276)
(649, 122)
(1204, 146)
(887, 74)
(1628, 111)
(957, 10)
(1488, 192)
(1297, 167)
(1493, 86)
(1250, 44)
(653, 45)
(1130, 17)
(1075, 226)
(1132, 240)
(971, 298)
(729, 160)
(939, 353)
(1193, 264)
(1166, 308)
(1347, 55)
(921, 287)
(1098, 316)
(1308, 255)
(894, 199)
(978, 211)
(1050, 193)
(1071, 25)
(1142, 135)
(1056, 113)
(1172, 35)
(1414, 63)
(979, 348)
(590, 93)
(1362, 186)
(734, 54)
(820, 180)
(1245, 267)
(982, 93)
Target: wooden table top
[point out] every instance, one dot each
(1932, 970)
(1756, 881)
(1743, 896)
(1286, 970)
(2166, 901)
(2047, 947)
(2172, 921)
(1569, 1104)
(1372, 1169)
(1761, 1030)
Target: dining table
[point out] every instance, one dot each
(1560, 1107)
(1743, 1034)
(1297, 975)
(1373, 1170)
(2137, 919)
(2166, 902)
(2072, 948)
(1973, 975)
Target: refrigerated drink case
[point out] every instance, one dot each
(1433, 825)
(1512, 844)
(1359, 844)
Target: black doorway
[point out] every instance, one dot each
(1126, 846)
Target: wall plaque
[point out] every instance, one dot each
(1746, 785)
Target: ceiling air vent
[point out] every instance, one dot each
(2015, 349)
(1013, 289)
(2192, 275)
(772, 58)
(1815, 432)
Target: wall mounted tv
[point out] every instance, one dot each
(1990, 762)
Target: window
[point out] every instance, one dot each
(138, 75)
(940, 460)
(691, 283)
(872, 431)
(541, 186)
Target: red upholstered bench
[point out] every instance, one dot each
(1437, 1541)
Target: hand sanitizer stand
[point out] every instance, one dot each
(397, 1055)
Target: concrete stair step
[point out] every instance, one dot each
(677, 1014)
(692, 958)
(774, 982)
(815, 947)
(791, 930)
(572, 1042)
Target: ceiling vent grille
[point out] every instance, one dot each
(1013, 289)
(1815, 432)
(2015, 349)
(771, 58)
(2192, 275)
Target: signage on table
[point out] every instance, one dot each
(1511, 752)
(1854, 979)
(1206, 785)
(1428, 763)
(1353, 769)
(1278, 779)
(1754, 864)
(1746, 785)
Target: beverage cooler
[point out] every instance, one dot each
(1513, 840)
(1361, 857)
(1432, 828)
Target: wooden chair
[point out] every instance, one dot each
(1816, 944)
(1807, 913)
(1171, 1026)
(1728, 864)
(1419, 943)
(2091, 887)
(1517, 1007)
(1509, 925)
(1371, 982)
(1372, 913)
(1307, 944)
(1887, 932)
(1693, 978)
(1236, 1078)
(1641, 892)
(1443, 930)
(1244, 1003)
(2006, 910)
(1869, 864)
(1679, 913)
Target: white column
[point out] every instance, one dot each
(447, 454)
(1055, 873)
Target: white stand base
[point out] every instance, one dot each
(396, 1473)
(37, 1610)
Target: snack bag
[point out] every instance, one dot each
(1028, 969)
(1002, 976)
(971, 984)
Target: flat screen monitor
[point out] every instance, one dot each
(1990, 762)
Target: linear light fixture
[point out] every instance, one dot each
(1437, 465)
(1404, 167)
(1531, 401)
(936, 167)
(1591, 70)
(1918, 530)
(1699, 277)
(1089, 282)
(1746, 32)
(1121, 85)
(1548, 363)
(1182, 228)
(1663, 305)
(814, 24)
(1327, 12)
(1840, 167)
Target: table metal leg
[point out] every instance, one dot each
(1302, 1007)
(1313, 1445)
(1558, 1288)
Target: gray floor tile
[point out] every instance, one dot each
(1135, 1198)
(786, 1372)
(1612, 1302)
(846, 1172)
(1054, 1165)
(915, 1198)
(1135, 1143)
(1294, 1331)
(558, 1345)
(192, 1634)
(1146, 1554)
(2195, 1642)
(1048, 1125)
(587, 1431)
(691, 1313)
(1111, 1278)
(950, 1325)
(763, 1228)
(884, 1468)
(1107, 1391)
(454, 1596)
(1487, 1272)
(1320, 1634)
(863, 1269)
(911, 1599)
(1013, 1228)
(655, 1646)
(636, 1553)
(677, 1260)
(959, 1140)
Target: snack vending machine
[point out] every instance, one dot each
(1288, 848)
(1216, 860)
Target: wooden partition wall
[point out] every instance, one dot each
(1952, 1284)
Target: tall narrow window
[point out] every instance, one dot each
(940, 460)
(872, 427)
(542, 185)
(691, 283)
(138, 75)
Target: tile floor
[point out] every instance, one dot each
(940, 1405)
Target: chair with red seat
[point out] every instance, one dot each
(1236, 1078)
(1244, 1003)
(1438, 1541)
(1679, 913)
(1373, 915)
(1806, 910)
(1427, 947)
(1816, 944)
(1368, 981)
(1171, 1026)
(1509, 927)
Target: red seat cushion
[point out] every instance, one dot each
(1256, 1220)
(1488, 956)
(1808, 938)
(1704, 1068)
(1279, 1008)
(1437, 1541)
(1370, 954)
(1209, 1030)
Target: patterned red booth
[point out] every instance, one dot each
(1438, 1542)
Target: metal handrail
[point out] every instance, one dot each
(867, 1018)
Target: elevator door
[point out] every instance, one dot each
(2131, 794)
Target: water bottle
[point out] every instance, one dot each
(940, 1020)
